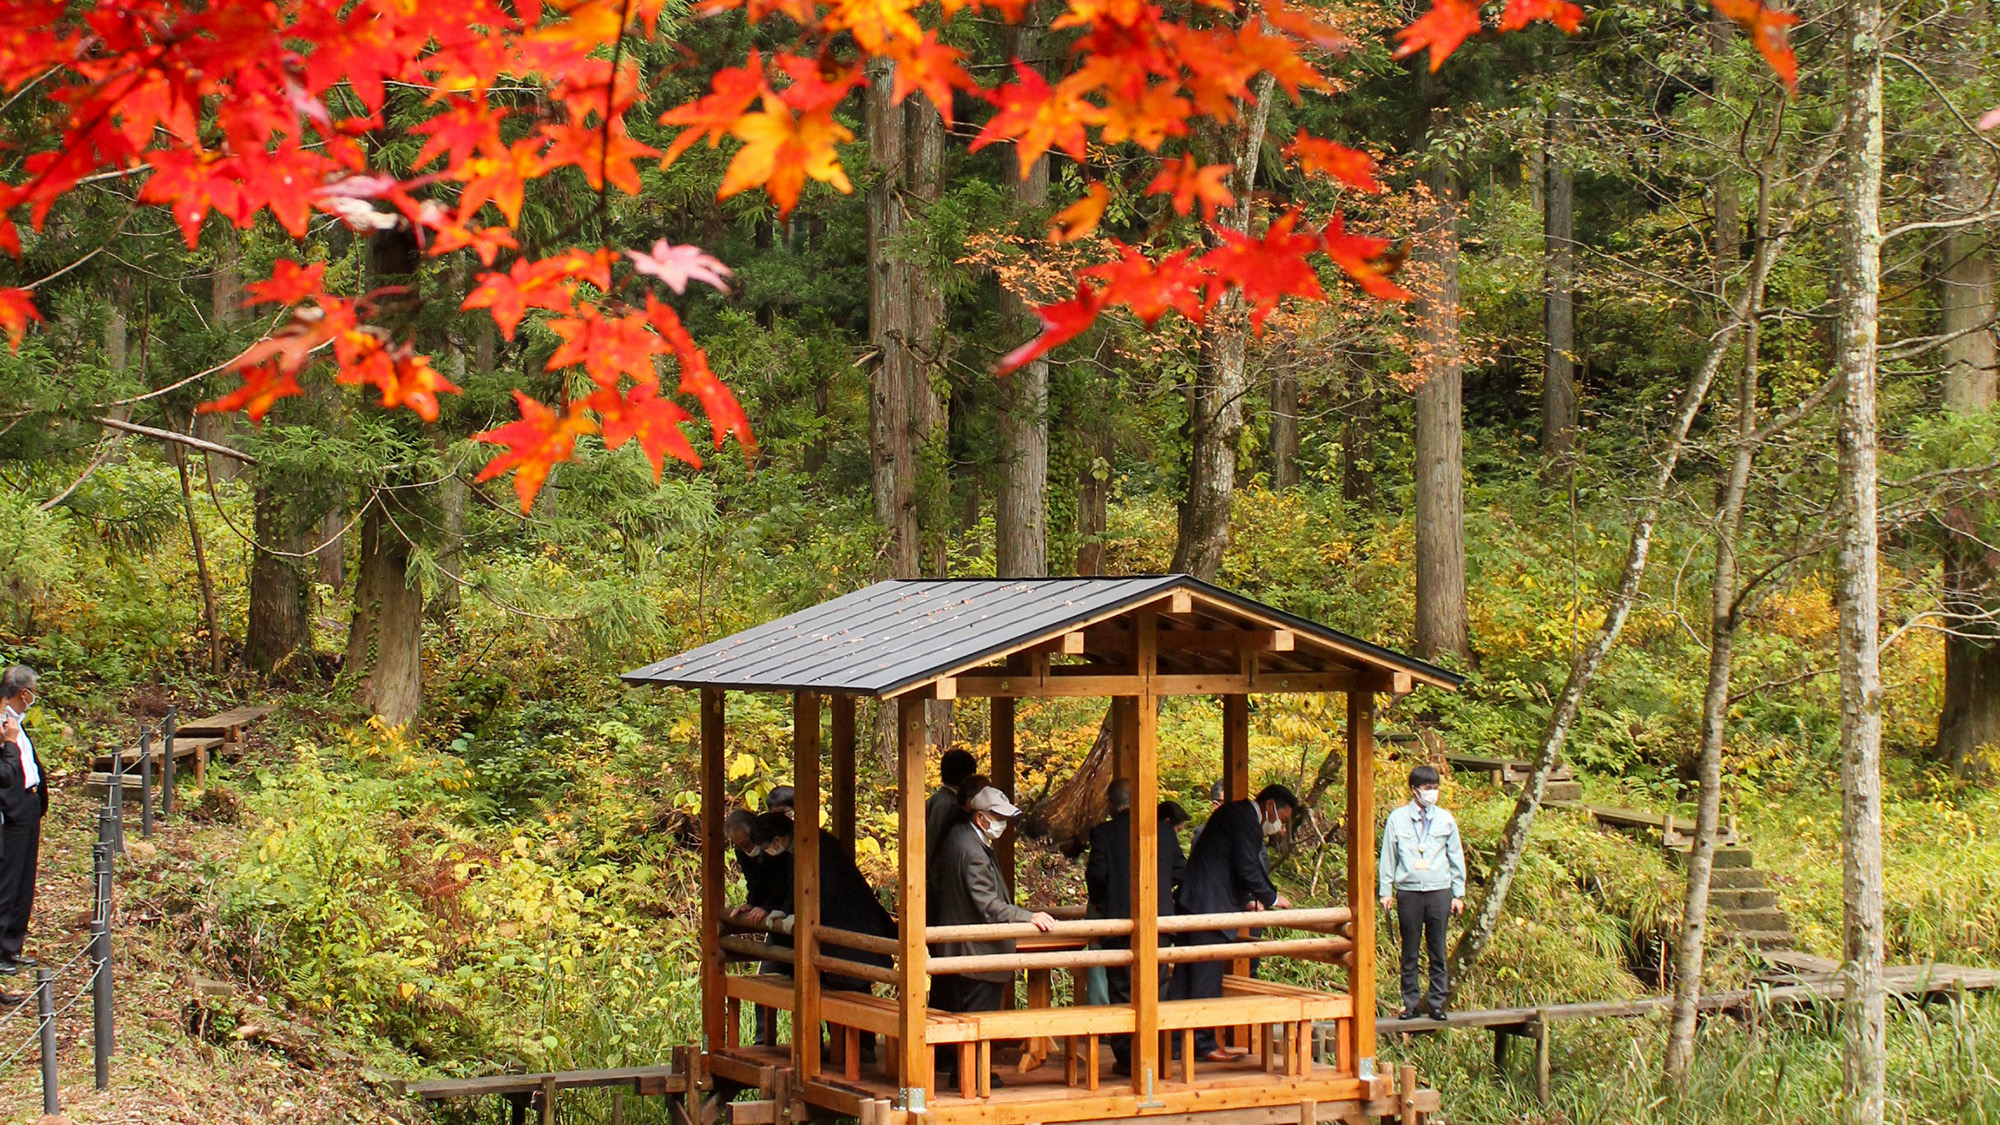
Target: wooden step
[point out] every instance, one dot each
(1737, 878)
(1563, 791)
(1763, 920)
(1766, 939)
(1749, 898)
(184, 748)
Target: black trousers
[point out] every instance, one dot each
(20, 850)
(1201, 980)
(1423, 917)
(956, 993)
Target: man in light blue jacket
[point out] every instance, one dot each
(1422, 877)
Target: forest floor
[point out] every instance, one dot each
(196, 1043)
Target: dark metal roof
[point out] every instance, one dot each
(892, 635)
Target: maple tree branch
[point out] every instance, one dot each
(188, 440)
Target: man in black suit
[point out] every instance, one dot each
(1107, 878)
(24, 797)
(1226, 873)
(846, 902)
(767, 887)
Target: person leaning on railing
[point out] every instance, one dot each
(966, 889)
(24, 797)
(1226, 872)
(767, 886)
(1108, 882)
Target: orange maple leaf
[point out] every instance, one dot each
(288, 284)
(604, 154)
(1521, 13)
(1350, 166)
(1189, 182)
(930, 66)
(731, 93)
(1363, 259)
(1303, 24)
(263, 385)
(536, 443)
(1768, 30)
(874, 23)
(487, 242)
(502, 179)
(1079, 220)
(1036, 118)
(1442, 29)
(17, 311)
(780, 151)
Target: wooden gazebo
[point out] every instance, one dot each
(1134, 640)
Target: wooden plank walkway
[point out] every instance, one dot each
(1909, 981)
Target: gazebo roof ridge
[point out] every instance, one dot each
(900, 634)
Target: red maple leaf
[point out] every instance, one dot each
(1189, 182)
(1268, 268)
(487, 242)
(1521, 13)
(1363, 259)
(1350, 166)
(466, 126)
(604, 154)
(1768, 30)
(1151, 289)
(725, 414)
(535, 444)
(263, 385)
(641, 413)
(17, 311)
(1303, 24)
(1061, 322)
(606, 347)
(930, 66)
(1442, 29)
(289, 284)
(1035, 117)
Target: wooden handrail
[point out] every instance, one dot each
(844, 967)
(1012, 962)
(849, 939)
(1303, 918)
(754, 950)
(1231, 950)
(1002, 931)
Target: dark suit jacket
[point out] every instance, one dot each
(18, 803)
(1107, 874)
(1226, 869)
(966, 888)
(847, 902)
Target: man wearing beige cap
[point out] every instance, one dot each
(967, 888)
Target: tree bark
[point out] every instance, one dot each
(1559, 409)
(1441, 625)
(1020, 508)
(1357, 446)
(1514, 836)
(924, 151)
(279, 628)
(892, 451)
(1284, 427)
(1970, 718)
(1864, 1066)
(210, 618)
(1093, 502)
(1215, 412)
(1722, 624)
(385, 637)
(225, 304)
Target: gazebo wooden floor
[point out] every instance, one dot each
(1238, 1093)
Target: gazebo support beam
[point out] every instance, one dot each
(841, 789)
(805, 882)
(913, 1055)
(1361, 873)
(1002, 772)
(714, 1002)
(1145, 852)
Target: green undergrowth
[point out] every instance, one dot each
(1784, 1069)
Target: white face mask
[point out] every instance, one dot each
(1272, 825)
(993, 829)
(1428, 798)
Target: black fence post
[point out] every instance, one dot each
(167, 766)
(146, 785)
(114, 798)
(45, 999)
(102, 1033)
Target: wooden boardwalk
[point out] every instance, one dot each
(1783, 990)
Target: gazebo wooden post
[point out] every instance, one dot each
(1003, 776)
(805, 883)
(714, 1005)
(841, 787)
(1361, 872)
(912, 963)
(1145, 874)
(1236, 787)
